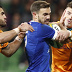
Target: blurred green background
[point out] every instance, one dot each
(11, 64)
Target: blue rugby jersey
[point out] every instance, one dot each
(37, 47)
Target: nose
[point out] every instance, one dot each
(4, 16)
(48, 17)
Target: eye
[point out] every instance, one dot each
(69, 13)
(45, 14)
(2, 13)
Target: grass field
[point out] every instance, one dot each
(11, 64)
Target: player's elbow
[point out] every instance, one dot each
(8, 55)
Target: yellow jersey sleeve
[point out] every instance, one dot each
(2, 46)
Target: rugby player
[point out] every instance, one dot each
(37, 42)
(62, 57)
(7, 48)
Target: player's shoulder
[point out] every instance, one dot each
(54, 25)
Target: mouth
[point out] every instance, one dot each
(5, 20)
(47, 21)
(69, 21)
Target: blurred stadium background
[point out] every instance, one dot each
(18, 11)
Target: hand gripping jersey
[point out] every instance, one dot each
(2, 46)
(62, 57)
(37, 47)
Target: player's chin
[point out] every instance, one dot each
(46, 23)
(3, 25)
(69, 26)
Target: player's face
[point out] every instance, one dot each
(2, 18)
(44, 15)
(68, 15)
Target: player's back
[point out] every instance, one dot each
(37, 48)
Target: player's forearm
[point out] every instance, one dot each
(12, 48)
(8, 35)
(62, 35)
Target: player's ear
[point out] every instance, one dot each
(34, 13)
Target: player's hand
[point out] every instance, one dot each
(63, 18)
(61, 23)
(62, 35)
(25, 27)
(21, 35)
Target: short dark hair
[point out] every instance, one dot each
(69, 4)
(37, 5)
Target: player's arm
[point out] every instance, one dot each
(8, 35)
(61, 33)
(13, 46)
(50, 33)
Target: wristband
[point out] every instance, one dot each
(71, 36)
(70, 33)
(16, 30)
(19, 39)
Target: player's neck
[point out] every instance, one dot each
(34, 19)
